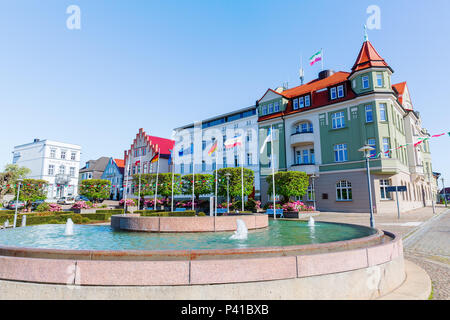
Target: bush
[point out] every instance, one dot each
(54, 221)
(201, 214)
(77, 218)
(85, 220)
(111, 211)
(43, 207)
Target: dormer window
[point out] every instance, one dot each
(270, 107)
(307, 101)
(340, 91)
(264, 110)
(301, 102)
(295, 104)
(365, 82)
(277, 106)
(333, 93)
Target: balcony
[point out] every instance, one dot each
(302, 138)
(309, 168)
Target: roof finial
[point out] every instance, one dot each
(366, 37)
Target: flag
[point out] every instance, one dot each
(268, 138)
(155, 158)
(213, 149)
(315, 58)
(137, 162)
(234, 142)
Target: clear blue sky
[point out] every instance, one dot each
(162, 64)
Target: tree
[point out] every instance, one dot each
(32, 190)
(235, 182)
(289, 184)
(148, 187)
(204, 184)
(95, 189)
(10, 176)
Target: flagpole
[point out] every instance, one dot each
(193, 180)
(156, 190)
(139, 196)
(242, 175)
(173, 174)
(273, 172)
(322, 57)
(126, 188)
(217, 181)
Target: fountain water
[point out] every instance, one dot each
(69, 228)
(6, 224)
(311, 222)
(24, 221)
(241, 231)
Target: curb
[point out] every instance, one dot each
(417, 285)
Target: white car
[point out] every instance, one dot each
(66, 200)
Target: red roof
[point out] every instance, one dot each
(368, 57)
(120, 163)
(165, 145)
(318, 99)
(400, 88)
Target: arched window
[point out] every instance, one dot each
(303, 127)
(343, 191)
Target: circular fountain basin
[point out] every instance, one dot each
(287, 260)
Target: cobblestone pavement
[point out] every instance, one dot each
(426, 239)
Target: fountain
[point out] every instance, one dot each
(24, 221)
(68, 231)
(311, 222)
(241, 231)
(6, 224)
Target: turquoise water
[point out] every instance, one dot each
(279, 233)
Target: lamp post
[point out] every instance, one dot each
(433, 198)
(228, 175)
(313, 176)
(19, 182)
(445, 192)
(366, 152)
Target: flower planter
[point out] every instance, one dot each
(299, 215)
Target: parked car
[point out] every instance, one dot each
(36, 203)
(81, 198)
(66, 200)
(12, 205)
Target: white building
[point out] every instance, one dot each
(193, 141)
(56, 162)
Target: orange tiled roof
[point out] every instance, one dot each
(368, 57)
(120, 163)
(400, 88)
(316, 84)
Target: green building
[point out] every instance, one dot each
(319, 127)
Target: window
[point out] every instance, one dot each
(190, 167)
(313, 159)
(369, 114)
(385, 195)
(63, 154)
(203, 145)
(383, 112)
(51, 170)
(338, 120)
(340, 153)
(277, 106)
(340, 91)
(270, 107)
(203, 165)
(214, 166)
(72, 171)
(379, 80)
(310, 193)
(365, 82)
(372, 142)
(343, 191)
(386, 145)
(333, 93)
(236, 160)
(305, 156)
(224, 162)
(264, 110)
(62, 170)
(182, 168)
(301, 102)
(249, 135)
(53, 153)
(307, 101)
(249, 159)
(295, 104)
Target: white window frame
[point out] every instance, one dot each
(51, 170)
(270, 108)
(53, 153)
(295, 104)
(386, 147)
(338, 120)
(341, 151)
(340, 91)
(380, 77)
(276, 106)
(365, 80)
(333, 93)
(307, 101)
(373, 143)
(369, 110)
(301, 102)
(340, 187)
(384, 194)
(383, 111)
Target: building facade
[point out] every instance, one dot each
(194, 141)
(138, 158)
(93, 169)
(321, 125)
(56, 162)
(114, 173)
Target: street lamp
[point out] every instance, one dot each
(313, 176)
(433, 198)
(19, 182)
(228, 175)
(366, 153)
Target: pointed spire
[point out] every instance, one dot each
(368, 57)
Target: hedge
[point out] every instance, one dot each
(187, 213)
(3, 212)
(112, 211)
(33, 219)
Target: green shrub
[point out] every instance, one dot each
(43, 207)
(112, 211)
(5, 212)
(77, 218)
(97, 216)
(201, 214)
(54, 221)
(85, 220)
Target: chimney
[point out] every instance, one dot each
(325, 74)
(36, 140)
